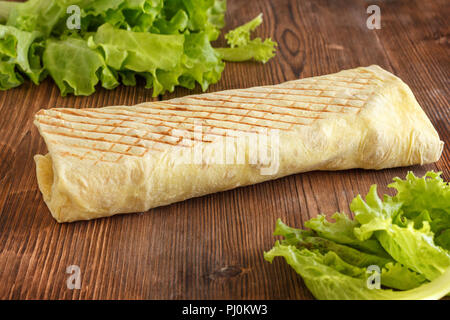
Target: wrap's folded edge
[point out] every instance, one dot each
(86, 176)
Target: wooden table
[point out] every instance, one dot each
(212, 247)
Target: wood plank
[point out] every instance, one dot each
(211, 247)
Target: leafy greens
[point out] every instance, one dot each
(404, 236)
(165, 42)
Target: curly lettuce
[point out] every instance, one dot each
(19, 56)
(412, 247)
(243, 48)
(166, 42)
(393, 234)
(327, 282)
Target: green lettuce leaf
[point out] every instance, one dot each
(443, 239)
(37, 15)
(346, 253)
(19, 52)
(177, 24)
(394, 275)
(335, 257)
(167, 42)
(157, 57)
(202, 63)
(138, 15)
(341, 231)
(374, 207)
(9, 78)
(242, 48)
(139, 51)
(240, 36)
(414, 248)
(326, 281)
(75, 67)
(257, 50)
(5, 9)
(216, 14)
(355, 262)
(315, 240)
(292, 236)
(425, 199)
(205, 15)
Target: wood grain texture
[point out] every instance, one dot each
(211, 247)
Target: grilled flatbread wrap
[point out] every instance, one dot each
(125, 159)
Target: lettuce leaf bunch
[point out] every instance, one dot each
(405, 237)
(82, 43)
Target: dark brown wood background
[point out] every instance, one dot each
(212, 247)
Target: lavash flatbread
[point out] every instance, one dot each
(124, 159)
